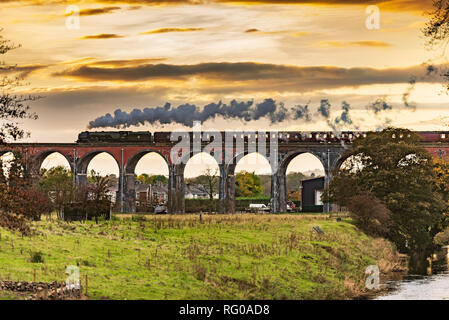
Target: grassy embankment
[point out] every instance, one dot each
(240, 256)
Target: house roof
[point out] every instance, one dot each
(159, 188)
(196, 189)
(142, 187)
(313, 179)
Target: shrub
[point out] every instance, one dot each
(36, 257)
(370, 214)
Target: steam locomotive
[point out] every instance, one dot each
(114, 136)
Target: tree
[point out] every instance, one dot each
(143, 178)
(20, 199)
(294, 180)
(437, 27)
(437, 32)
(247, 184)
(20, 193)
(158, 178)
(153, 179)
(94, 197)
(13, 108)
(209, 179)
(390, 166)
(57, 182)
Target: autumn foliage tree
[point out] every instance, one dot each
(20, 198)
(247, 184)
(393, 171)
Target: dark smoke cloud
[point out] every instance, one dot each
(324, 108)
(431, 73)
(339, 122)
(344, 118)
(379, 105)
(301, 112)
(406, 94)
(186, 114)
(431, 70)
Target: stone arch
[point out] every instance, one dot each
(132, 162)
(330, 158)
(193, 157)
(204, 160)
(39, 159)
(83, 162)
(228, 179)
(236, 158)
(288, 157)
(338, 162)
(81, 174)
(129, 180)
(287, 160)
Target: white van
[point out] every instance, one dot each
(258, 207)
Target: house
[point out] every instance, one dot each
(159, 193)
(311, 193)
(142, 192)
(112, 193)
(197, 192)
(151, 193)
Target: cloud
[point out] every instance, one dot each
(166, 30)
(22, 71)
(96, 11)
(102, 36)
(125, 63)
(346, 44)
(274, 76)
(287, 32)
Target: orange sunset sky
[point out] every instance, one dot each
(142, 54)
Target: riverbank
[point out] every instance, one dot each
(241, 256)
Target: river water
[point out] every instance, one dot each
(434, 286)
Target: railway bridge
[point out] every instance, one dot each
(280, 148)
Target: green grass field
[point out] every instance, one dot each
(241, 256)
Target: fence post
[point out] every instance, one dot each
(87, 286)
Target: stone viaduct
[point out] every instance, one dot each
(226, 147)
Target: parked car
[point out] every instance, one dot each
(160, 209)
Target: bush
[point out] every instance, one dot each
(15, 223)
(36, 257)
(370, 214)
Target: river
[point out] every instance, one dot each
(434, 286)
